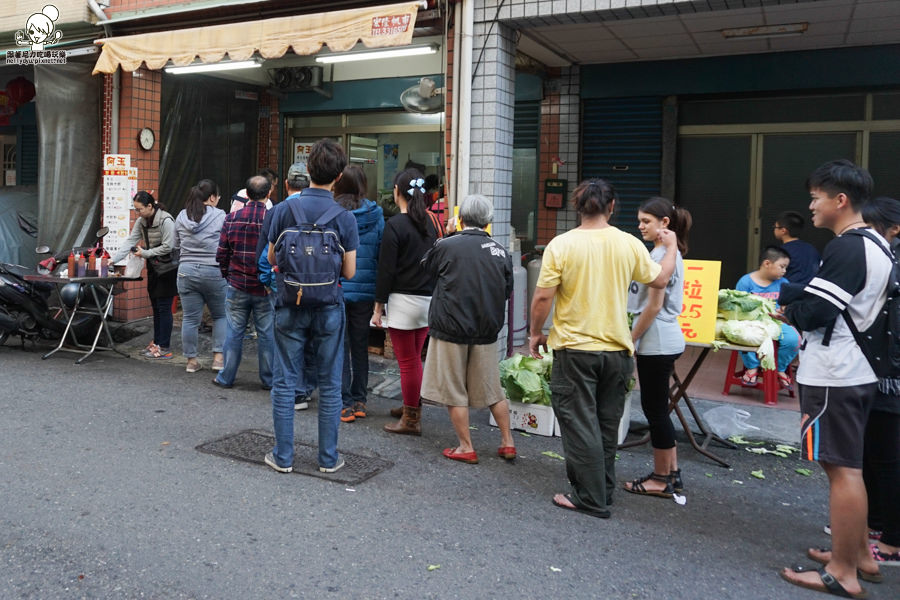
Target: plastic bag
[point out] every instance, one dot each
(133, 265)
(727, 420)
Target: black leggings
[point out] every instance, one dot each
(881, 471)
(653, 374)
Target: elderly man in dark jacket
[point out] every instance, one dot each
(474, 280)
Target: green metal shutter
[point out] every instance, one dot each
(622, 143)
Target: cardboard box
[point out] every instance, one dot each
(535, 419)
(624, 423)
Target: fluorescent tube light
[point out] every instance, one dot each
(765, 31)
(219, 66)
(376, 54)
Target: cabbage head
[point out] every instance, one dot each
(745, 333)
(526, 379)
(743, 306)
(758, 334)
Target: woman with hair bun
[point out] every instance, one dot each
(658, 344)
(200, 280)
(405, 287)
(155, 228)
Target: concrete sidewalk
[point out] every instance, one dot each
(778, 425)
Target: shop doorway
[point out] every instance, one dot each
(381, 143)
(736, 178)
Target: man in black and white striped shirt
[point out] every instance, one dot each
(836, 383)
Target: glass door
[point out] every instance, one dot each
(715, 184)
(787, 160)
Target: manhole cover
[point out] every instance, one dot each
(251, 446)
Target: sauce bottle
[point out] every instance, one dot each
(79, 259)
(71, 271)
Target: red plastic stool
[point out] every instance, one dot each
(768, 383)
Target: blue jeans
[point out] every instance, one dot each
(162, 321)
(198, 285)
(238, 306)
(788, 346)
(306, 375)
(293, 327)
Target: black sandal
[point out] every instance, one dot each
(829, 582)
(637, 486)
(675, 480)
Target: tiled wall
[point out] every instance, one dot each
(449, 101)
(569, 141)
(139, 107)
(493, 105)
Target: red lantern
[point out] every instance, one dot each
(20, 91)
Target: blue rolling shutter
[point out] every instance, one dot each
(622, 143)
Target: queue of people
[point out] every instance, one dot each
(318, 268)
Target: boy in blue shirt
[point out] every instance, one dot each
(766, 281)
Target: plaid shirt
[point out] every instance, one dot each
(237, 248)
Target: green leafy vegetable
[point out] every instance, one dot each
(553, 454)
(739, 439)
(804, 472)
(527, 379)
(758, 474)
(434, 567)
(743, 306)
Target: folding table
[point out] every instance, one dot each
(96, 300)
(678, 392)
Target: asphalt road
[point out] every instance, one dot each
(104, 496)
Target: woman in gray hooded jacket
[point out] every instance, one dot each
(200, 280)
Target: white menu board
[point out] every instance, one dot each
(119, 187)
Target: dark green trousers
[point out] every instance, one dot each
(588, 396)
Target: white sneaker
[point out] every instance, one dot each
(270, 460)
(337, 466)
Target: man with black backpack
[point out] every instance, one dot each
(312, 242)
(837, 381)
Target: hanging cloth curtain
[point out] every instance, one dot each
(376, 27)
(71, 160)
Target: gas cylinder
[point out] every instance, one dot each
(533, 270)
(519, 300)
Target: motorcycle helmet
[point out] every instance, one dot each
(71, 294)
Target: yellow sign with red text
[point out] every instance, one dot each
(701, 299)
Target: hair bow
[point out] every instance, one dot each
(416, 183)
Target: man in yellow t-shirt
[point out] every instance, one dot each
(588, 270)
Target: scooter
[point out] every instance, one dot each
(27, 308)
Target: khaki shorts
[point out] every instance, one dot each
(460, 375)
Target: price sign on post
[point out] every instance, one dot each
(701, 298)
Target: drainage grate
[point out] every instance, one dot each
(251, 446)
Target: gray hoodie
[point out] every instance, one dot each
(199, 241)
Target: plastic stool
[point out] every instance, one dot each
(768, 383)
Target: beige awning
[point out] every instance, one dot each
(376, 27)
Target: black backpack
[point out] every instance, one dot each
(880, 343)
(309, 256)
